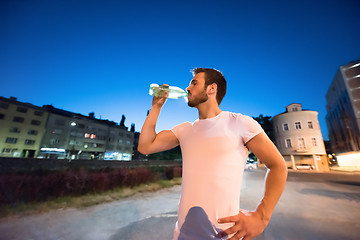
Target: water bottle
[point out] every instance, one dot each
(173, 92)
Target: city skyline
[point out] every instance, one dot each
(92, 56)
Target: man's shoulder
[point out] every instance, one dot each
(183, 125)
(238, 116)
(240, 120)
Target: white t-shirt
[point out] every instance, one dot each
(214, 157)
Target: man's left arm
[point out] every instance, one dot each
(249, 224)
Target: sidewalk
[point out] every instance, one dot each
(313, 206)
(345, 169)
(335, 169)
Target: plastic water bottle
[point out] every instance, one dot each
(173, 92)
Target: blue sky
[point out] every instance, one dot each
(101, 56)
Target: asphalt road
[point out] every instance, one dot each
(313, 206)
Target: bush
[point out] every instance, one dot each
(173, 172)
(31, 187)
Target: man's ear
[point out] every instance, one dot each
(212, 89)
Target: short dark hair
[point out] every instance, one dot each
(213, 76)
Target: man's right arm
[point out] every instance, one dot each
(151, 142)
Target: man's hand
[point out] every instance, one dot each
(246, 225)
(160, 101)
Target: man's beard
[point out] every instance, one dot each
(198, 100)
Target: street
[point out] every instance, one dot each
(313, 206)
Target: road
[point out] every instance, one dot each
(313, 206)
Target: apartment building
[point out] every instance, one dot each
(75, 136)
(22, 126)
(298, 137)
(57, 133)
(343, 109)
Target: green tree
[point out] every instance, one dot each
(265, 122)
(172, 154)
(122, 122)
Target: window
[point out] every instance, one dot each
(60, 122)
(11, 140)
(21, 109)
(298, 125)
(80, 125)
(294, 109)
(32, 132)
(91, 128)
(54, 141)
(101, 137)
(89, 135)
(38, 113)
(313, 141)
(310, 125)
(18, 119)
(102, 130)
(90, 144)
(6, 150)
(74, 143)
(301, 143)
(4, 105)
(9, 150)
(2, 116)
(286, 127)
(57, 131)
(76, 134)
(288, 143)
(35, 122)
(29, 142)
(15, 130)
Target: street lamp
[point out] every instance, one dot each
(73, 150)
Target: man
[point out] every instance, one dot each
(215, 149)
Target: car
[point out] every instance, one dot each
(305, 167)
(250, 165)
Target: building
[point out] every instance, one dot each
(343, 109)
(75, 136)
(48, 132)
(297, 135)
(22, 126)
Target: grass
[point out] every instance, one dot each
(24, 209)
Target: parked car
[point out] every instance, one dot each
(250, 165)
(305, 167)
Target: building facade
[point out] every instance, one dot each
(60, 134)
(297, 135)
(343, 109)
(22, 126)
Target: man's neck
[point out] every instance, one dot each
(207, 110)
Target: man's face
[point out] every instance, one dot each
(196, 90)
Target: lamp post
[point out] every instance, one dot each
(73, 150)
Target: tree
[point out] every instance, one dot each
(172, 154)
(265, 122)
(122, 122)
